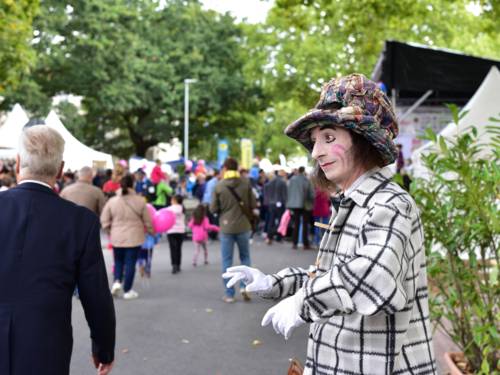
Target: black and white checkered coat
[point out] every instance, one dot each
(368, 301)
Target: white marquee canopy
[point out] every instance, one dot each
(76, 154)
(483, 105)
(12, 128)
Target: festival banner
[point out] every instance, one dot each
(222, 151)
(246, 153)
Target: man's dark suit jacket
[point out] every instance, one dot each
(47, 247)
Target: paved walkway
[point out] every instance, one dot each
(180, 325)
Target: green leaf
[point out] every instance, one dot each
(442, 145)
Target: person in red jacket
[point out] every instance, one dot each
(157, 174)
(321, 212)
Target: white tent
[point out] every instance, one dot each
(485, 103)
(76, 154)
(11, 130)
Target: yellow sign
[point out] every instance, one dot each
(246, 153)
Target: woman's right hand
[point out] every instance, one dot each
(254, 279)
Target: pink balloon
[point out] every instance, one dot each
(164, 220)
(152, 211)
(189, 165)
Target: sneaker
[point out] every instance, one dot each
(206, 262)
(116, 289)
(228, 299)
(131, 294)
(246, 296)
(194, 265)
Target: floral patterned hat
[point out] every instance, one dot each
(357, 104)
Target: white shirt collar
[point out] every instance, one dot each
(36, 182)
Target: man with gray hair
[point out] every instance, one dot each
(83, 193)
(48, 247)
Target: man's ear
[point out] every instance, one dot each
(18, 164)
(60, 173)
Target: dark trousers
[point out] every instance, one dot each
(125, 259)
(297, 214)
(175, 243)
(274, 216)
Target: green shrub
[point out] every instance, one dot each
(459, 204)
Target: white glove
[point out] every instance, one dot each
(284, 316)
(255, 280)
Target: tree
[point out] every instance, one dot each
(16, 54)
(128, 60)
(304, 43)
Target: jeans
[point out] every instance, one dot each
(275, 214)
(305, 215)
(227, 241)
(145, 259)
(125, 259)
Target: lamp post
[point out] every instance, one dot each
(187, 81)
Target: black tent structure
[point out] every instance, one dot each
(413, 72)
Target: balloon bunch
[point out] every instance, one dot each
(162, 220)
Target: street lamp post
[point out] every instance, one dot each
(187, 81)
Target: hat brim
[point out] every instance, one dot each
(366, 126)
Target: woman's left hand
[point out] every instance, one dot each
(284, 316)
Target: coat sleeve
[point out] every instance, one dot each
(96, 298)
(106, 217)
(374, 279)
(101, 201)
(146, 219)
(287, 282)
(214, 202)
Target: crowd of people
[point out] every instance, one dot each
(365, 297)
(119, 197)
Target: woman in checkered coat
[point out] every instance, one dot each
(366, 300)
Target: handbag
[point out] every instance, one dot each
(252, 219)
(295, 368)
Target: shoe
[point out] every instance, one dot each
(206, 262)
(194, 264)
(269, 241)
(246, 296)
(131, 294)
(294, 247)
(174, 271)
(116, 289)
(308, 247)
(228, 299)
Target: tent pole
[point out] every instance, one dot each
(394, 93)
(415, 105)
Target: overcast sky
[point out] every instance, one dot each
(253, 10)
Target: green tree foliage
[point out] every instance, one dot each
(129, 59)
(306, 42)
(16, 54)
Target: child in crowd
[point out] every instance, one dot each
(175, 234)
(145, 257)
(200, 226)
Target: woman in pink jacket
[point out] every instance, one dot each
(200, 226)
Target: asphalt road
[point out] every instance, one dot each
(180, 325)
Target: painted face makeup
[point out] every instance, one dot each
(338, 150)
(332, 151)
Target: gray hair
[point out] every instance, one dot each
(40, 151)
(85, 172)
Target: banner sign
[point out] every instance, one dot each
(222, 151)
(246, 153)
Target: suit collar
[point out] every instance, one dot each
(34, 186)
